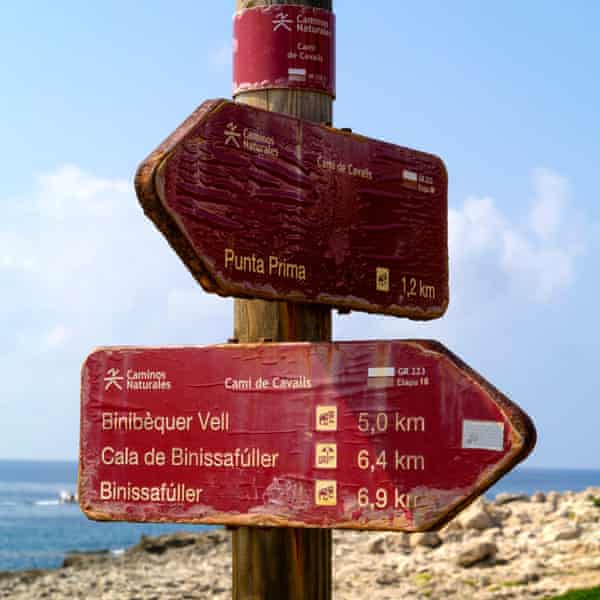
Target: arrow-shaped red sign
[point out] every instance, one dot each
(375, 435)
(260, 204)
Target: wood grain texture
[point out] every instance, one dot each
(260, 320)
(275, 564)
(281, 564)
(311, 106)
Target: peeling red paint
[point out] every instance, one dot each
(263, 205)
(375, 435)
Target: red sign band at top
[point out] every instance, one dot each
(284, 46)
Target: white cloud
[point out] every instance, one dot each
(70, 193)
(81, 266)
(490, 254)
(473, 230)
(552, 196)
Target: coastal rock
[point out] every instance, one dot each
(476, 553)
(499, 513)
(429, 539)
(160, 544)
(202, 544)
(560, 531)
(78, 559)
(529, 555)
(24, 577)
(398, 542)
(506, 498)
(529, 572)
(523, 517)
(552, 500)
(452, 527)
(377, 546)
(593, 564)
(452, 532)
(585, 509)
(388, 577)
(477, 517)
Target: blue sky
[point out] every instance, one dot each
(506, 93)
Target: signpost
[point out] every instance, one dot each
(367, 435)
(264, 205)
(285, 441)
(302, 569)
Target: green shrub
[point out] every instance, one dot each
(423, 578)
(589, 594)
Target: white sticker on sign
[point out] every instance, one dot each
(381, 371)
(297, 74)
(483, 435)
(410, 175)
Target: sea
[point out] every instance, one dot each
(37, 530)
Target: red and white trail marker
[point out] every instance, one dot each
(286, 47)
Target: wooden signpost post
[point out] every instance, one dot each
(292, 563)
(264, 201)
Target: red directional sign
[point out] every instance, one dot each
(374, 435)
(260, 204)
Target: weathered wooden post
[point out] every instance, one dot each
(283, 562)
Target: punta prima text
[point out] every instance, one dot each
(273, 266)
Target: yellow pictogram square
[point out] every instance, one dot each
(326, 418)
(325, 492)
(326, 455)
(382, 279)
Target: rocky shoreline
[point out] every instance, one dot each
(513, 547)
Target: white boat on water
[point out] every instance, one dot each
(66, 497)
